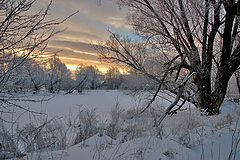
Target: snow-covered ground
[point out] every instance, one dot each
(67, 105)
(184, 136)
(62, 105)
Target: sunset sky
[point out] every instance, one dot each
(88, 26)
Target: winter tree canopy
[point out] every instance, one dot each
(184, 36)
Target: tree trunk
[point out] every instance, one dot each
(217, 101)
(211, 104)
(204, 98)
(208, 100)
(220, 91)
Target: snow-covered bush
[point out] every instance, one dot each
(116, 121)
(187, 128)
(128, 124)
(8, 147)
(30, 138)
(49, 135)
(86, 124)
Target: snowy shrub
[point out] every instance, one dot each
(186, 130)
(31, 137)
(136, 112)
(116, 121)
(49, 135)
(128, 124)
(132, 123)
(7, 144)
(138, 127)
(55, 134)
(86, 124)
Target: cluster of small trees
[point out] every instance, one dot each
(87, 77)
(24, 34)
(52, 75)
(31, 75)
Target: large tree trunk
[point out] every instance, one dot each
(211, 104)
(219, 93)
(207, 99)
(217, 100)
(204, 96)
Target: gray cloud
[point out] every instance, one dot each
(75, 53)
(79, 46)
(72, 55)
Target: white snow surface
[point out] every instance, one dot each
(186, 135)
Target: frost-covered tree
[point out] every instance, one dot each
(25, 29)
(136, 82)
(59, 77)
(23, 32)
(36, 74)
(28, 75)
(200, 36)
(113, 78)
(87, 77)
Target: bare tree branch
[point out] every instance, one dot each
(179, 94)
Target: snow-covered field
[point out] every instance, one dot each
(121, 133)
(67, 105)
(62, 105)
